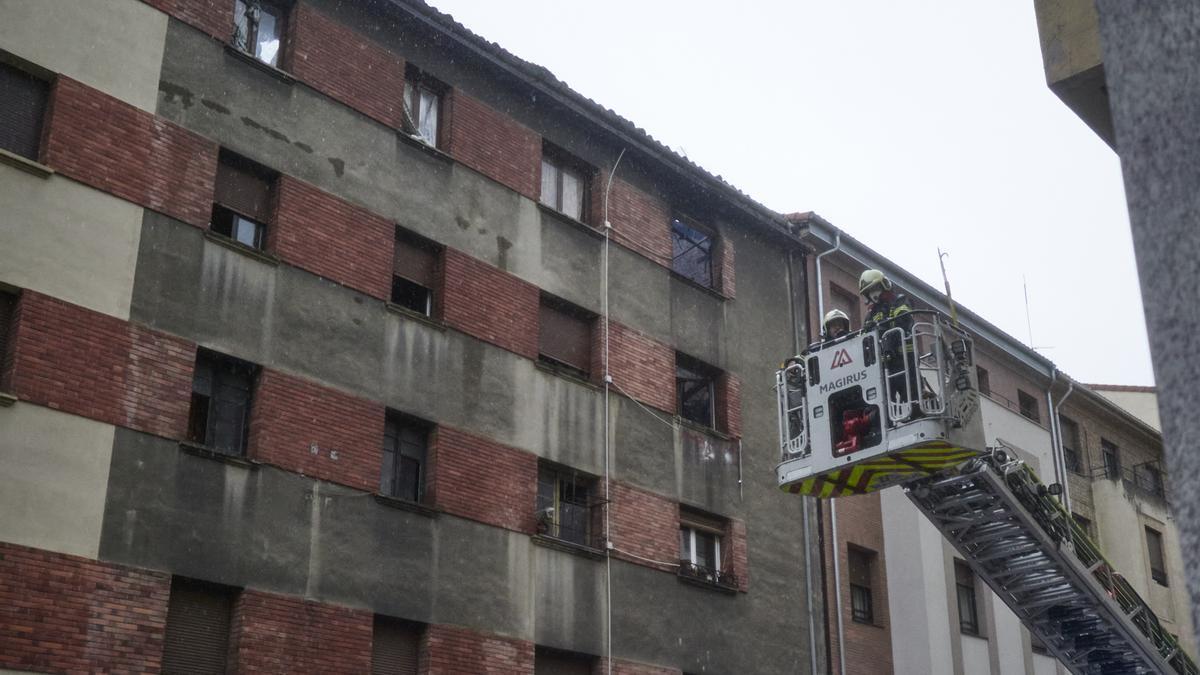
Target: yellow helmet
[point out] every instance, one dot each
(835, 315)
(871, 279)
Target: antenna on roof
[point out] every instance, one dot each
(946, 280)
(1028, 321)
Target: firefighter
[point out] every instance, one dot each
(887, 309)
(836, 325)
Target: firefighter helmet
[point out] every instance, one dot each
(834, 316)
(871, 280)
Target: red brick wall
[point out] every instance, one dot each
(214, 17)
(97, 366)
(640, 221)
(453, 650)
(333, 238)
(644, 525)
(729, 404)
(620, 667)
(279, 634)
(737, 559)
(61, 613)
(868, 647)
(346, 65)
(493, 144)
(289, 415)
(490, 304)
(475, 478)
(641, 366)
(113, 146)
(726, 282)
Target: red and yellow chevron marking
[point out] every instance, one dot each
(881, 471)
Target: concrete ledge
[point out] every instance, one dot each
(281, 75)
(578, 224)
(567, 547)
(416, 316)
(7, 400)
(405, 505)
(222, 240)
(208, 453)
(25, 164)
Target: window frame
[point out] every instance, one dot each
(223, 596)
(231, 365)
(1034, 412)
(386, 633)
(404, 237)
(1072, 457)
(1156, 543)
(563, 163)
(1108, 449)
(705, 371)
(984, 380)
(693, 525)
(250, 45)
(223, 212)
(44, 81)
(710, 238)
(858, 591)
(967, 592)
(416, 82)
(561, 477)
(400, 422)
(574, 312)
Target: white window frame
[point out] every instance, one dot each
(717, 536)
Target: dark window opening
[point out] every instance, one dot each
(258, 29)
(548, 661)
(695, 390)
(984, 380)
(197, 632)
(861, 563)
(405, 453)
(22, 108)
(564, 184)
(1112, 459)
(242, 200)
(1028, 405)
(395, 645)
(565, 336)
(414, 273)
(1150, 479)
(1158, 564)
(968, 610)
(222, 387)
(423, 106)
(8, 306)
(1069, 431)
(564, 505)
(691, 252)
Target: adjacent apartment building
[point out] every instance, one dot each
(338, 339)
(898, 596)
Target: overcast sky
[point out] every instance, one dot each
(910, 125)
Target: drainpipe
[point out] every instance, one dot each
(1066, 490)
(1055, 446)
(837, 244)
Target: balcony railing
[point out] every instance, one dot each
(723, 578)
(569, 522)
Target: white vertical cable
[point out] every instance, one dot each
(607, 439)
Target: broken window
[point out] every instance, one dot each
(242, 200)
(564, 184)
(220, 410)
(395, 645)
(564, 507)
(1112, 459)
(691, 252)
(423, 104)
(1158, 565)
(695, 390)
(405, 450)
(197, 632)
(968, 608)
(565, 336)
(258, 29)
(1028, 405)
(22, 107)
(860, 562)
(414, 273)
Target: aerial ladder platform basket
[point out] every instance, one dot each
(897, 404)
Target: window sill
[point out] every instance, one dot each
(7, 400)
(405, 505)
(709, 585)
(416, 316)
(565, 374)
(421, 145)
(870, 624)
(568, 546)
(700, 428)
(25, 164)
(206, 452)
(222, 240)
(577, 224)
(698, 286)
(282, 76)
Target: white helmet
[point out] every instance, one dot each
(832, 316)
(872, 280)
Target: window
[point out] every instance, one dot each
(220, 412)
(564, 184)
(846, 301)
(985, 384)
(423, 105)
(1150, 479)
(8, 303)
(259, 28)
(1028, 405)
(695, 390)
(968, 611)
(555, 662)
(565, 336)
(1112, 459)
(394, 646)
(405, 448)
(700, 539)
(860, 563)
(1070, 442)
(1158, 565)
(197, 634)
(564, 506)
(22, 107)
(242, 200)
(414, 273)
(691, 252)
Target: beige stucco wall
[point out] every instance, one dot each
(55, 469)
(1070, 37)
(67, 240)
(113, 45)
(1142, 404)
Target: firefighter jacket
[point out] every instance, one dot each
(888, 313)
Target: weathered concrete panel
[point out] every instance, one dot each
(118, 50)
(67, 240)
(55, 469)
